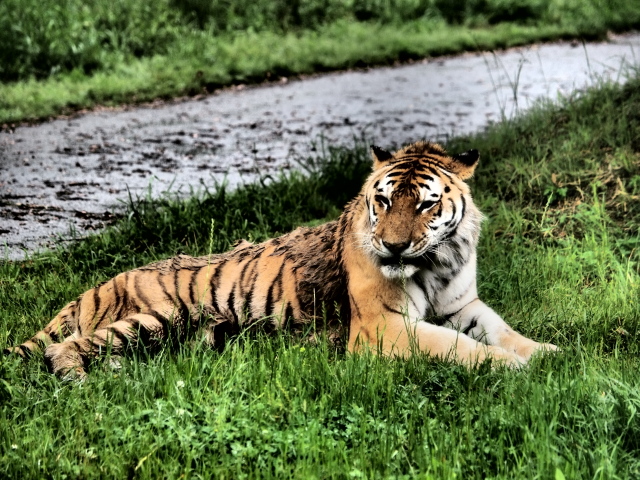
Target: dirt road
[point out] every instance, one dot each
(74, 174)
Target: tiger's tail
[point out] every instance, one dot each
(62, 325)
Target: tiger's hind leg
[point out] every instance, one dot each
(70, 357)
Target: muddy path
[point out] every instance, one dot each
(76, 174)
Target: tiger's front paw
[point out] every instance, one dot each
(500, 356)
(534, 347)
(497, 355)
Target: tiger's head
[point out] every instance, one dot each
(417, 201)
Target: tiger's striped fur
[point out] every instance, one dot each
(402, 251)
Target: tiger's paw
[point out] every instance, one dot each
(501, 357)
(63, 360)
(498, 356)
(536, 348)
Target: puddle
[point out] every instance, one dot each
(75, 174)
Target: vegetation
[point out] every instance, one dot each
(57, 56)
(558, 258)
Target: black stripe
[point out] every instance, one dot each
(192, 282)
(78, 324)
(432, 170)
(268, 306)
(230, 304)
(214, 285)
(472, 325)
(96, 301)
(441, 319)
(124, 339)
(353, 301)
(453, 216)
(183, 306)
(26, 351)
(53, 335)
(424, 176)
(342, 227)
(143, 298)
(106, 310)
(125, 293)
(166, 293)
(419, 281)
(142, 333)
(445, 318)
(118, 304)
(455, 247)
(242, 275)
(451, 232)
(393, 310)
(249, 296)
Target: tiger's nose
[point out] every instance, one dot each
(396, 248)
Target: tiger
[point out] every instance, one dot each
(396, 272)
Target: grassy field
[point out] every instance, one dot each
(61, 56)
(558, 258)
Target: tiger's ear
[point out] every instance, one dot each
(380, 156)
(464, 164)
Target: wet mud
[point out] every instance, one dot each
(72, 176)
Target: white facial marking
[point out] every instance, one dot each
(398, 271)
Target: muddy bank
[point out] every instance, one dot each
(74, 175)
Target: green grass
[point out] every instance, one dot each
(59, 57)
(558, 258)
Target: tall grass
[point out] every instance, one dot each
(558, 258)
(42, 37)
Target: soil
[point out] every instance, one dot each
(72, 176)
